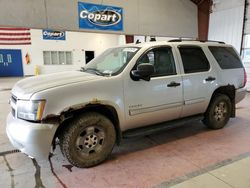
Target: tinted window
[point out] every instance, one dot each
(162, 59)
(226, 57)
(194, 59)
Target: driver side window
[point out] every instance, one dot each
(162, 59)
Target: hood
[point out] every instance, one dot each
(25, 88)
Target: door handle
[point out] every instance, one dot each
(210, 79)
(173, 84)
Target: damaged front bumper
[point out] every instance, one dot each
(33, 139)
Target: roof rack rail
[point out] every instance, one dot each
(181, 40)
(221, 42)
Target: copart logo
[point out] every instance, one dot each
(101, 17)
(54, 34)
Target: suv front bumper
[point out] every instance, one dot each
(33, 139)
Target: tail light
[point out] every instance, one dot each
(245, 77)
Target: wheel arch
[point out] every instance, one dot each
(67, 115)
(228, 90)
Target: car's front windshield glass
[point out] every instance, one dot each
(111, 62)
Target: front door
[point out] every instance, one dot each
(157, 100)
(11, 63)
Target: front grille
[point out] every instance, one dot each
(13, 99)
(13, 112)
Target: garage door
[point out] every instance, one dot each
(246, 43)
(11, 63)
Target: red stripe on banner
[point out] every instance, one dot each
(8, 39)
(14, 34)
(16, 43)
(14, 29)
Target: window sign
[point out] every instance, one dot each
(100, 17)
(53, 35)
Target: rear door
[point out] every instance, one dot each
(199, 80)
(10, 63)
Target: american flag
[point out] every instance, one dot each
(15, 36)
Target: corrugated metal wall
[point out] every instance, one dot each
(226, 22)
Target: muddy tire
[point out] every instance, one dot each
(88, 140)
(218, 112)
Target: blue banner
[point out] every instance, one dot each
(53, 35)
(100, 17)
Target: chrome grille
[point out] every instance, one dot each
(13, 111)
(13, 99)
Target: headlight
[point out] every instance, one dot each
(30, 110)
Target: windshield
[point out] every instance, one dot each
(111, 62)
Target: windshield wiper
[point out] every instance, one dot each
(96, 71)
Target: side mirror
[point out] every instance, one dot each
(143, 71)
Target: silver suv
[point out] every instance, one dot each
(128, 91)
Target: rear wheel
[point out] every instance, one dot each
(218, 112)
(88, 140)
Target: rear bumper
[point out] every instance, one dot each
(33, 139)
(240, 94)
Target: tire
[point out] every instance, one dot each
(218, 112)
(88, 140)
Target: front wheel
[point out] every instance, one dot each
(88, 140)
(218, 112)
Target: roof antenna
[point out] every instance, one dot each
(137, 41)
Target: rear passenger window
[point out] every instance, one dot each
(226, 57)
(193, 59)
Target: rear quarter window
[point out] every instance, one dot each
(226, 57)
